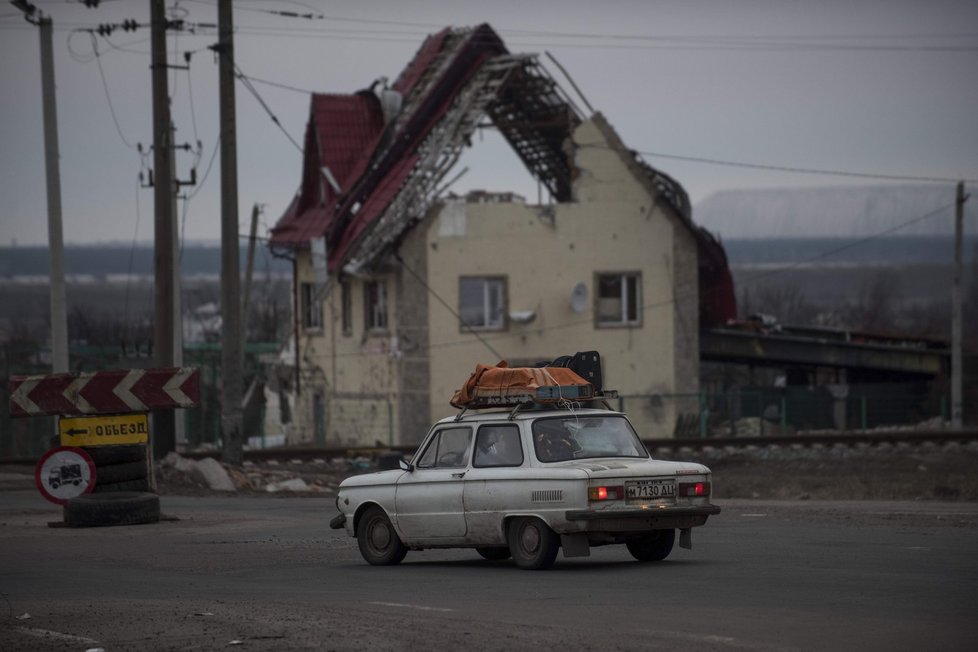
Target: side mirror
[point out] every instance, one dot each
(404, 465)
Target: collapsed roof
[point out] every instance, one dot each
(375, 160)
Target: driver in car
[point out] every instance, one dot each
(553, 442)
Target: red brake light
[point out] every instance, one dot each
(694, 489)
(605, 493)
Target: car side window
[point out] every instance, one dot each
(498, 445)
(448, 449)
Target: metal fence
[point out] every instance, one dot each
(743, 411)
(777, 411)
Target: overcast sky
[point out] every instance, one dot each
(864, 86)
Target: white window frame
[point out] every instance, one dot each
(630, 300)
(489, 285)
(312, 307)
(375, 306)
(346, 307)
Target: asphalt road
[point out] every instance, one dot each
(268, 574)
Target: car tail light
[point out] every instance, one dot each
(694, 489)
(605, 493)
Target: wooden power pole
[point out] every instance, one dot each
(232, 355)
(956, 334)
(164, 433)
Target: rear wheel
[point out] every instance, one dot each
(379, 543)
(532, 543)
(654, 547)
(493, 554)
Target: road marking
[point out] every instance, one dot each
(47, 633)
(419, 607)
(753, 515)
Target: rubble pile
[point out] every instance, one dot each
(178, 474)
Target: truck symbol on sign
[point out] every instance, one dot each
(66, 473)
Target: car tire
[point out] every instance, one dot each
(532, 543)
(109, 473)
(654, 547)
(122, 508)
(378, 542)
(116, 453)
(493, 554)
(140, 485)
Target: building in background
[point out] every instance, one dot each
(400, 289)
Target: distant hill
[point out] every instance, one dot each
(100, 260)
(841, 212)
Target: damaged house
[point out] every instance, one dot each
(401, 289)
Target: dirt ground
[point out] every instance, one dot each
(943, 473)
(933, 473)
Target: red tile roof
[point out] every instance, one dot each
(347, 134)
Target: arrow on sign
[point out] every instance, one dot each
(105, 392)
(74, 432)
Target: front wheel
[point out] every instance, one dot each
(532, 543)
(654, 547)
(378, 542)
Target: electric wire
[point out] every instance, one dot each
(803, 170)
(682, 293)
(248, 85)
(446, 305)
(108, 96)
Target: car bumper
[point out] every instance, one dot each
(653, 518)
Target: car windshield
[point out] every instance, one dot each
(573, 437)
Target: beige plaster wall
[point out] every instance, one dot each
(371, 383)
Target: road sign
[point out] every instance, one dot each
(101, 431)
(64, 473)
(104, 392)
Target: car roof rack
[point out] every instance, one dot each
(519, 403)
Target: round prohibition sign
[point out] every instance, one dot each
(64, 473)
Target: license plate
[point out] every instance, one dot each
(650, 489)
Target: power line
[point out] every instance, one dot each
(248, 85)
(108, 97)
(801, 170)
(684, 293)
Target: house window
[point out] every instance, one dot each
(482, 302)
(312, 307)
(619, 300)
(346, 307)
(375, 299)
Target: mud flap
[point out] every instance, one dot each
(686, 538)
(575, 545)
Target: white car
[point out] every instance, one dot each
(523, 484)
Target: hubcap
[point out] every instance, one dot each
(530, 538)
(380, 536)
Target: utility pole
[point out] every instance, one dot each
(59, 318)
(956, 335)
(249, 267)
(232, 357)
(164, 434)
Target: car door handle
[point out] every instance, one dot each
(458, 475)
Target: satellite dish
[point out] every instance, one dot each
(578, 299)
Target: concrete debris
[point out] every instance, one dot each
(211, 472)
(295, 484)
(316, 476)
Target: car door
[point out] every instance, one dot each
(428, 500)
(495, 484)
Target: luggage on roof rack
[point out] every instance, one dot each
(505, 386)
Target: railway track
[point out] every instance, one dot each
(852, 438)
(870, 438)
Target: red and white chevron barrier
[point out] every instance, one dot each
(104, 392)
